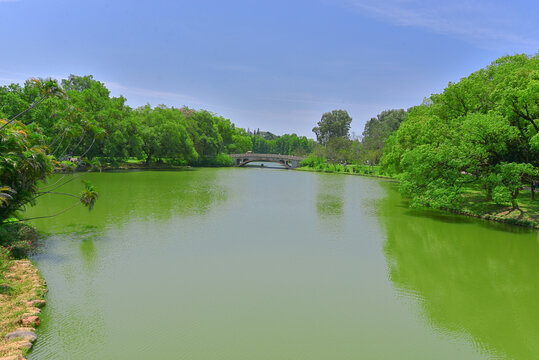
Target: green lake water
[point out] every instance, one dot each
(273, 264)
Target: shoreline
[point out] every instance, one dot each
(21, 301)
(494, 218)
(307, 169)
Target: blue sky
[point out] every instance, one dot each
(274, 65)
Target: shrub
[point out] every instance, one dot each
(178, 162)
(68, 166)
(18, 239)
(95, 165)
(220, 160)
(501, 195)
(313, 162)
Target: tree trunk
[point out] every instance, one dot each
(489, 192)
(148, 159)
(532, 187)
(514, 201)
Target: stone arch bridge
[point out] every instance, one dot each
(288, 161)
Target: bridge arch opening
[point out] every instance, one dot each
(283, 164)
(287, 161)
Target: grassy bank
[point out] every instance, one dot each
(527, 213)
(103, 164)
(21, 291)
(362, 170)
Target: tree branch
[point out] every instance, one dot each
(21, 113)
(92, 144)
(49, 216)
(68, 181)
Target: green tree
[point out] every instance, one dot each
(204, 132)
(377, 130)
(23, 164)
(508, 180)
(111, 134)
(333, 124)
(163, 134)
(241, 144)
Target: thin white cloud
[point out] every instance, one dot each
(159, 97)
(20, 77)
(484, 24)
(310, 99)
(150, 93)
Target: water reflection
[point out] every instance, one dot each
(88, 253)
(471, 282)
(330, 195)
(330, 205)
(124, 197)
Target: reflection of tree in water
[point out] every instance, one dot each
(156, 195)
(87, 247)
(160, 195)
(473, 281)
(330, 195)
(329, 205)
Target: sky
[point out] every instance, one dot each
(273, 65)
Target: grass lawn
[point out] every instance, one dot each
(528, 211)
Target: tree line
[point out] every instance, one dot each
(335, 144)
(88, 122)
(264, 142)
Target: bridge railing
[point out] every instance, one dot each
(266, 156)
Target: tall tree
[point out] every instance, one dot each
(163, 134)
(333, 124)
(377, 130)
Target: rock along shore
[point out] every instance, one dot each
(20, 307)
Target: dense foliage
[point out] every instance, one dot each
(334, 124)
(337, 146)
(287, 144)
(480, 132)
(23, 162)
(377, 130)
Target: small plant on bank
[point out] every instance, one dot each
(95, 165)
(313, 162)
(67, 166)
(18, 239)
